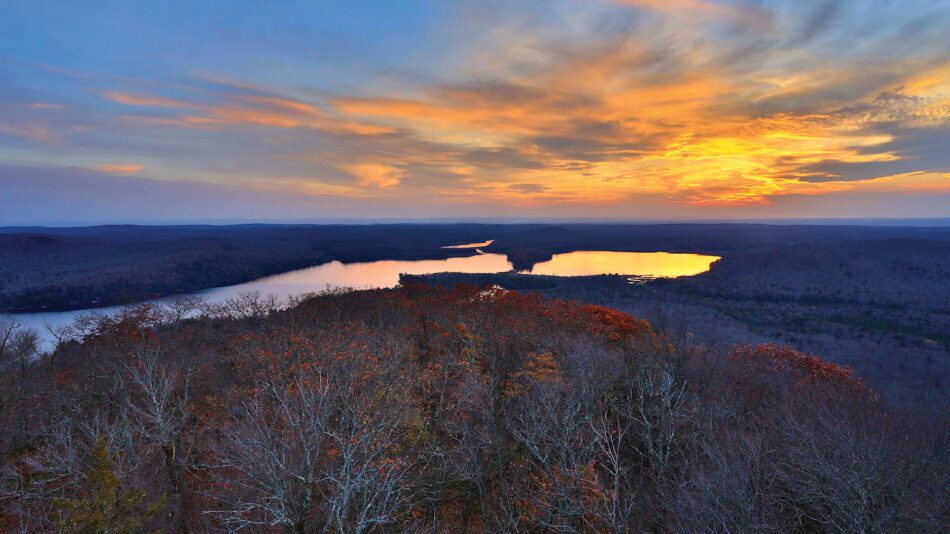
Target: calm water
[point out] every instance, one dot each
(645, 264)
(379, 274)
(480, 244)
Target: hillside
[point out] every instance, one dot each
(877, 305)
(464, 409)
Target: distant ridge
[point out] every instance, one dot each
(237, 223)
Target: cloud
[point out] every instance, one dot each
(121, 168)
(75, 195)
(501, 158)
(35, 132)
(742, 13)
(70, 195)
(45, 105)
(144, 100)
(527, 188)
(688, 104)
(241, 109)
(375, 174)
(822, 17)
(908, 151)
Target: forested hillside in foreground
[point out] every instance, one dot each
(447, 410)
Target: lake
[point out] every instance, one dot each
(380, 274)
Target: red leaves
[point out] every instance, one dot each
(132, 324)
(616, 326)
(777, 358)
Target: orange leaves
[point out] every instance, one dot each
(542, 367)
(616, 326)
(776, 359)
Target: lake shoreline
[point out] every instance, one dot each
(104, 302)
(390, 273)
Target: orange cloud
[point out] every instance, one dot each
(594, 127)
(284, 104)
(120, 168)
(604, 121)
(254, 110)
(248, 115)
(936, 182)
(375, 174)
(145, 100)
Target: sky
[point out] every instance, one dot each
(125, 111)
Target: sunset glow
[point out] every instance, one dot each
(611, 108)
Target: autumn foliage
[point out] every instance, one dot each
(467, 409)
(778, 358)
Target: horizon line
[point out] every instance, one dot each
(367, 221)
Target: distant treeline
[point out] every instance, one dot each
(75, 268)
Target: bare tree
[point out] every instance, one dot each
(161, 412)
(57, 468)
(332, 448)
(247, 305)
(9, 325)
(849, 468)
(18, 345)
(18, 351)
(728, 487)
(552, 423)
(269, 456)
(611, 431)
(183, 307)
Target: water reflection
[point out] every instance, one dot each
(481, 244)
(378, 274)
(642, 264)
(359, 275)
